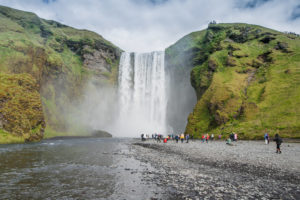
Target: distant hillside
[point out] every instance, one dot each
(56, 61)
(247, 79)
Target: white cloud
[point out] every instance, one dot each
(144, 26)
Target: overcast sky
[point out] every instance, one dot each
(148, 25)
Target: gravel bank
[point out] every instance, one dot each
(247, 170)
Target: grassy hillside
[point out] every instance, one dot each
(60, 59)
(247, 79)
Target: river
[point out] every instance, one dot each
(87, 168)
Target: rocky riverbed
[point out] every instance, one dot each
(246, 170)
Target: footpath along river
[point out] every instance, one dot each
(113, 168)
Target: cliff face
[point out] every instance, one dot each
(181, 95)
(246, 77)
(56, 60)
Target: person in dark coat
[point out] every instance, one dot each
(231, 136)
(176, 138)
(278, 141)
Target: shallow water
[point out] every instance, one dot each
(73, 169)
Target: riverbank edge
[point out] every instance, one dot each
(20, 140)
(72, 137)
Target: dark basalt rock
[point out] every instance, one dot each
(265, 57)
(256, 63)
(45, 33)
(100, 133)
(282, 46)
(212, 65)
(74, 46)
(267, 39)
(56, 24)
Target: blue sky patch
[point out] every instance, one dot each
(251, 4)
(48, 1)
(296, 13)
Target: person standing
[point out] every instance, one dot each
(278, 141)
(158, 138)
(176, 138)
(203, 138)
(266, 137)
(207, 137)
(182, 137)
(212, 137)
(187, 137)
(235, 137)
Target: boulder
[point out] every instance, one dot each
(100, 133)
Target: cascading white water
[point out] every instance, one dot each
(142, 94)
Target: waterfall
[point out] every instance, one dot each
(142, 94)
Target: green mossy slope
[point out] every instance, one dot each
(21, 111)
(59, 58)
(247, 79)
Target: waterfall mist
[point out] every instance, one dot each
(181, 95)
(150, 97)
(97, 110)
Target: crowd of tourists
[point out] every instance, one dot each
(179, 137)
(205, 138)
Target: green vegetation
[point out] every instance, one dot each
(57, 58)
(247, 79)
(21, 113)
(7, 138)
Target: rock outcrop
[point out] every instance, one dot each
(100, 133)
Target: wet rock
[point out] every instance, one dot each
(100, 133)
